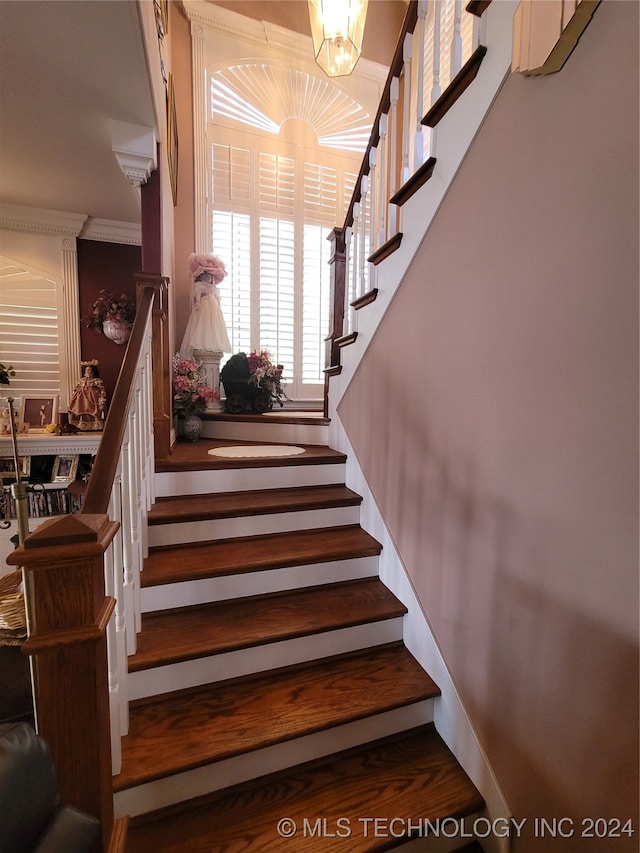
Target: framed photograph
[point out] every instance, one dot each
(65, 469)
(8, 470)
(39, 412)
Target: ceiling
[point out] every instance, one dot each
(68, 67)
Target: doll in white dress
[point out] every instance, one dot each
(206, 329)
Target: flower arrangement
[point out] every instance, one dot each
(209, 265)
(190, 391)
(109, 306)
(266, 375)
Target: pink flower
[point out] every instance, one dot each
(190, 391)
(200, 263)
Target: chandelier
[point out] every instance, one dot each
(337, 28)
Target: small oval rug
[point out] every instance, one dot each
(255, 450)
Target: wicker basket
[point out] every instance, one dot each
(13, 619)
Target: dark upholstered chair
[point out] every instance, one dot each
(32, 819)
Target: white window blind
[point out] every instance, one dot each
(29, 331)
(273, 205)
(277, 291)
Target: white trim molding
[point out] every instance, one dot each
(19, 217)
(112, 231)
(135, 149)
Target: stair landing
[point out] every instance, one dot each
(194, 456)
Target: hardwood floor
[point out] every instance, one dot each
(287, 665)
(194, 456)
(248, 553)
(411, 774)
(200, 725)
(255, 502)
(185, 633)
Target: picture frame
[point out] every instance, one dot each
(8, 469)
(39, 412)
(172, 139)
(65, 468)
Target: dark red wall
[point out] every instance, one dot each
(108, 266)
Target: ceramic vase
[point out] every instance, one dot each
(116, 331)
(191, 427)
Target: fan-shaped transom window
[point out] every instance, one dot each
(284, 154)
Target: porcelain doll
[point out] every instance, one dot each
(89, 399)
(206, 329)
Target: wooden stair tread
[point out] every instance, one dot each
(279, 416)
(190, 728)
(171, 510)
(408, 775)
(185, 633)
(194, 456)
(253, 553)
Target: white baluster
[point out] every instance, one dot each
(479, 32)
(113, 673)
(394, 92)
(373, 200)
(406, 107)
(383, 196)
(127, 549)
(436, 91)
(362, 275)
(115, 512)
(356, 252)
(133, 475)
(149, 425)
(350, 273)
(418, 142)
(456, 44)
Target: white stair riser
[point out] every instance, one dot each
(232, 771)
(267, 432)
(251, 525)
(186, 593)
(171, 483)
(178, 676)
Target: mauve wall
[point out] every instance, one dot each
(503, 389)
(110, 267)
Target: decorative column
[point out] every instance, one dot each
(70, 343)
(211, 366)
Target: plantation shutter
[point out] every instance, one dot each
(273, 206)
(29, 331)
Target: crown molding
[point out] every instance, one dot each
(135, 149)
(19, 217)
(111, 231)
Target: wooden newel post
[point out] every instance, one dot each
(67, 616)
(337, 284)
(338, 268)
(161, 361)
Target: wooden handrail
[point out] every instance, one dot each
(73, 641)
(106, 462)
(395, 69)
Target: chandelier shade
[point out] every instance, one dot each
(337, 29)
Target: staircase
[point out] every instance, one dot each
(272, 701)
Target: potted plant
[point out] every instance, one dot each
(252, 379)
(113, 315)
(191, 395)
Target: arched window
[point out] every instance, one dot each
(284, 150)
